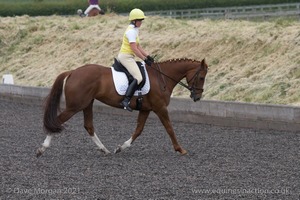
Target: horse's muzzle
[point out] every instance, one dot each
(195, 97)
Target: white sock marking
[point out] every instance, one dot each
(99, 143)
(47, 141)
(127, 144)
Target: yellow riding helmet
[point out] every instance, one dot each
(136, 14)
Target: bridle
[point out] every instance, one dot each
(193, 88)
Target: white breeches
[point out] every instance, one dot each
(86, 12)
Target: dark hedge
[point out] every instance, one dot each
(69, 7)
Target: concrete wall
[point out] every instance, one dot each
(222, 113)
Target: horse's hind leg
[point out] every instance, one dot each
(45, 145)
(63, 117)
(89, 127)
(143, 115)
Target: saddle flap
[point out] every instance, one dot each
(120, 68)
(121, 83)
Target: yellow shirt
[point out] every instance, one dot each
(131, 35)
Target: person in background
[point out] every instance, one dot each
(130, 48)
(92, 4)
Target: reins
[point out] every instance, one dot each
(180, 82)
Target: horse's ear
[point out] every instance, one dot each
(203, 62)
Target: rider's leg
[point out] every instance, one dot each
(128, 95)
(88, 10)
(128, 61)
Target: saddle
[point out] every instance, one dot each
(120, 68)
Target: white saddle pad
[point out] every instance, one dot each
(121, 83)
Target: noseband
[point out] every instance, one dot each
(194, 88)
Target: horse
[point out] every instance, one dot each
(83, 85)
(95, 12)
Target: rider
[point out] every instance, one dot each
(130, 48)
(92, 4)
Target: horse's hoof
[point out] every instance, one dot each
(118, 150)
(105, 151)
(183, 152)
(39, 152)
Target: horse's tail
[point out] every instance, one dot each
(52, 105)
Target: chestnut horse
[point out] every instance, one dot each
(95, 12)
(89, 82)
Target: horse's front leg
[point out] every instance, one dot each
(142, 117)
(164, 118)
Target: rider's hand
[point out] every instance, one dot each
(150, 58)
(148, 62)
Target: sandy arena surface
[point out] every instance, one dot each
(223, 163)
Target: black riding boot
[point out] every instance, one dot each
(128, 95)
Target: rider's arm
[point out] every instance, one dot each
(142, 51)
(137, 51)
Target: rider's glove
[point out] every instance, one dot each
(148, 62)
(150, 58)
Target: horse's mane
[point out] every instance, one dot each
(178, 60)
